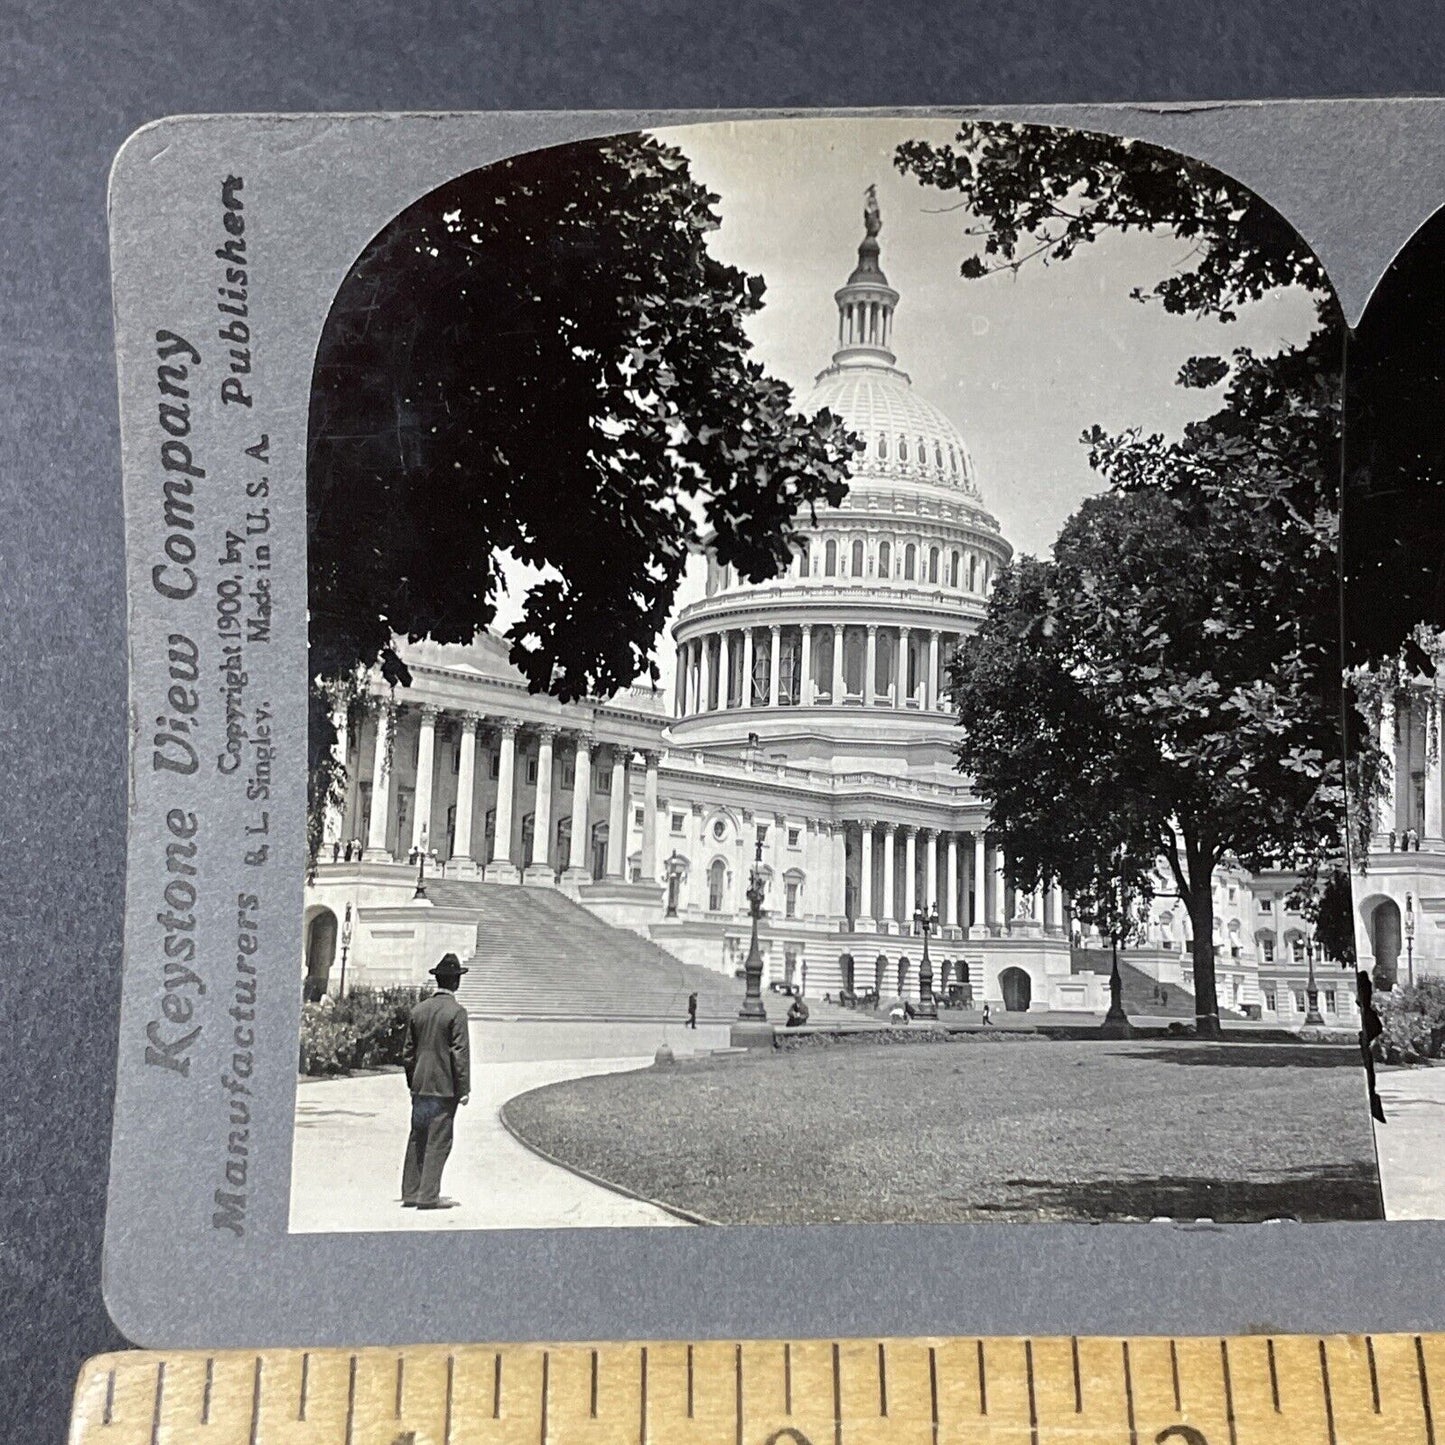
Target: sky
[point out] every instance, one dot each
(1023, 364)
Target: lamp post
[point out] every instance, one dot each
(1313, 1016)
(1410, 938)
(420, 866)
(926, 920)
(345, 945)
(752, 1029)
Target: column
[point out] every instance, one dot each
(617, 817)
(910, 877)
(805, 691)
(421, 838)
(376, 849)
(747, 667)
(725, 694)
(900, 681)
(890, 908)
(839, 686)
(1387, 746)
(500, 868)
(335, 824)
(930, 696)
(838, 870)
(1432, 827)
(704, 688)
(930, 870)
(539, 871)
(1052, 918)
(870, 665)
(979, 920)
(774, 663)
(865, 876)
(649, 819)
(950, 905)
(581, 795)
(998, 914)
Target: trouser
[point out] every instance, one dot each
(427, 1148)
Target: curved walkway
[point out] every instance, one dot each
(351, 1135)
(1411, 1143)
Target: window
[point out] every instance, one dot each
(716, 879)
(830, 558)
(763, 834)
(1330, 999)
(953, 461)
(933, 564)
(938, 456)
(1266, 905)
(531, 770)
(1297, 949)
(719, 830)
(885, 560)
(1269, 1001)
(602, 780)
(457, 758)
(804, 565)
(973, 574)
(790, 900)
(677, 821)
(953, 571)
(883, 448)
(637, 817)
(902, 449)
(569, 774)
(1299, 1000)
(496, 768)
(793, 835)
(1233, 893)
(858, 559)
(910, 562)
(1267, 949)
(922, 452)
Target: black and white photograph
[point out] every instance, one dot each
(825, 700)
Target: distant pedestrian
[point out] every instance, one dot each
(437, 1057)
(336, 851)
(692, 1010)
(987, 1016)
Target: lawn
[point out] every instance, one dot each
(978, 1130)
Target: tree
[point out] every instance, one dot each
(541, 359)
(1139, 692)
(1036, 194)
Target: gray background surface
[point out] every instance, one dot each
(74, 81)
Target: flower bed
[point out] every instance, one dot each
(364, 1030)
(1413, 1022)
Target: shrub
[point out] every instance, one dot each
(1413, 1021)
(364, 1030)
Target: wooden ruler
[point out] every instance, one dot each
(1248, 1390)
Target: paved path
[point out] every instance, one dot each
(1411, 1144)
(351, 1135)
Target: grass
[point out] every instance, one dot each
(963, 1132)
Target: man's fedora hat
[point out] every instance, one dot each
(451, 964)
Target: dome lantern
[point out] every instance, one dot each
(867, 302)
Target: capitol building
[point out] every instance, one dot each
(808, 728)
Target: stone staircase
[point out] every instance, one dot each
(539, 955)
(1139, 987)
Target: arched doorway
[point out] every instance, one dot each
(1385, 942)
(880, 963)
(320, 952)
(903, 976)
(845, 971)
(1017, 989)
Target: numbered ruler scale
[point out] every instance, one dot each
(1249, 1390)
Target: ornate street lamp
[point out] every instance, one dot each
(420, 867)
(345, 945)
(1313, 1016)
(752, 1029)
(1116, 1023)
(927, 923)
(1410, 937)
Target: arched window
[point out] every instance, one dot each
(830, 558)
(972, 573)
(716, 880)
(953, 461)
(902, 449)
(938, 456)
(885, 560)
(933, 564)
(910, 562)
(803, 563)
(858, 557)
(883, 448)
(922, 452)
(953, 570)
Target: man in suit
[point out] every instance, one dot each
(437, 1059)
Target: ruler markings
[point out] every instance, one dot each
(882, 1383)
(1374, 1373)
(1329, 1399)
(1228, 1392)
(1174, 1371)
(982, 1382)
(642, 1392)
(592, 1401)
(206, 1394)
(351, 1400)
(933, 1391)
(838, 1399)
(1033, 1403)
(689, 1382)
(305, 1381)
(787, 1379)
(160, 1396)
(1078, 1383)
(546, 1369)
(1274, 1374)
(738, 1391)
(108, 1414)
(1425, 1392)
(1129, 1396)
(400, 1386)
(256, 1403)
(497, 1387)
